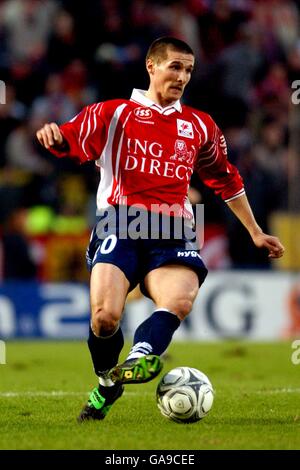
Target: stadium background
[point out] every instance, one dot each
(56, 57)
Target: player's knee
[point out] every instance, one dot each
(105, 321)
(182, 308)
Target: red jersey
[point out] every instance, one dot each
(147, 153)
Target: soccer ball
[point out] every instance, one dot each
(184, 395)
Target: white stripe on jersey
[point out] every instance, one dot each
(108, 176)
(203, 127)
(239, 194)
(207, 151)
(81, 130)
(211, 156)
(90, 116)
(118, 191)
(188, 211)
(88, 130)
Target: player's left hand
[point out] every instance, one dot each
(272, 244)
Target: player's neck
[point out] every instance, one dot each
(158, 99)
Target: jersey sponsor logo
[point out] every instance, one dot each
(144, 147)
(182, 153)
(223, 145)
(140, 153)
(143, 113)
(185, 129)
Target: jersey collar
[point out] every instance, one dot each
(138, 96)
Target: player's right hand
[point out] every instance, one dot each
(50, 136)
(272, 244)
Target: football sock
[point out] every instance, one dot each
(154, 335)
(105, 351)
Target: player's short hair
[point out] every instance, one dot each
(158, 49)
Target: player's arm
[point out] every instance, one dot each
(219, 174)
(241, 208)
(83, 137)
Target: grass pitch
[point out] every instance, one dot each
(257, 404)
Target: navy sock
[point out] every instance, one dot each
(105, 350)
(154, 335)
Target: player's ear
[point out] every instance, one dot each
(150, 66)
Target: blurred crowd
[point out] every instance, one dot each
(58, 55)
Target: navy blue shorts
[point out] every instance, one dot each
(136, 257)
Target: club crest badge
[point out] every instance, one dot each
(182, 153)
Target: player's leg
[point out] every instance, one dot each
(139, 368)
(109, 288)
(108, 291)
(173, 288)
(113, 273)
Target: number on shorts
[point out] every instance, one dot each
(108, 244)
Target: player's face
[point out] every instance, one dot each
(169, 77)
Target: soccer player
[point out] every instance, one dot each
(147, 148)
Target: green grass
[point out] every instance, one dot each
(257, 402)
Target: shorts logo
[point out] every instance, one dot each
(186, 254)
(143, 113)
(185, 129)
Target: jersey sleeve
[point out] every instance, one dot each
(84, 135)
(213, 167)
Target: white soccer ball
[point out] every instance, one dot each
(184, 395)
